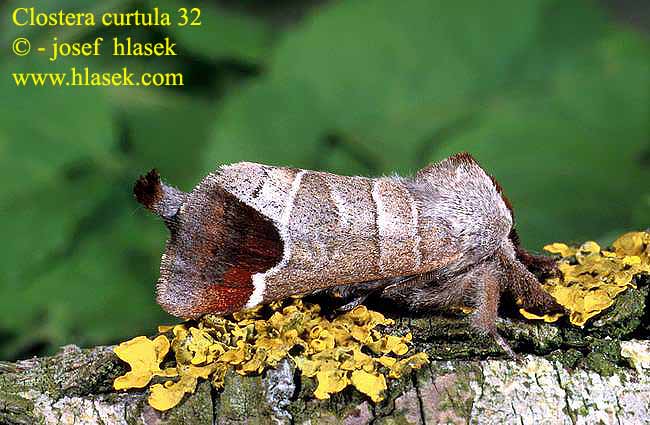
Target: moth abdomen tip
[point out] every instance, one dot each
(148, 189)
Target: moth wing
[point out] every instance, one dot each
(217, 244)
(251, 233)
(336, 230)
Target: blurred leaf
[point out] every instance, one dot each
(169, 134)
(80, 259)
(566, 30)
(98, 291)
(222, 34)
(570, 158)
(46, 142)
(70, 252)
(61, 128)
(386, 77)
(542, 91)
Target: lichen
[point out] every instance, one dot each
(350, 349)
(637, 353)
(365, 350)
(144, 356)
(600, 363)
(591, 278)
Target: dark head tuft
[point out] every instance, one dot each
(148, 189)
(463, 158)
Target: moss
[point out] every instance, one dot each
(241, 397)
(396, 388)
(451, 337)
(539, 338)
(71, 372)
(394, 419)
(599, 364)
(624, 317)
(567, 358)
(330, 411)
(609, 348)
(457, 396)
(304, 407)
(15, 409)
(446, 337)
(604, 357)
(193, 410)
(574, 338)
(91, 371)
(643, 281)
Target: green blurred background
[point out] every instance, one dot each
(552, 96)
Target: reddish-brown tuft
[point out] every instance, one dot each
(260, 250)
(148, 189)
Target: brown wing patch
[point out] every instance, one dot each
(216, 248)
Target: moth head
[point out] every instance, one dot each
(164, 201)
(505, 199)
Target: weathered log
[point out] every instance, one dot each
(566, 375)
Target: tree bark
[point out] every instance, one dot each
(565, 376)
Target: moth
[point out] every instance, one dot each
(252, 233)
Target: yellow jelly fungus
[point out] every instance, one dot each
(330, 381)
(591, 277)
(169, 394)
(560, 248)
(633, 243)
(350, 349)
(165, 328)
(308, 367)
(548, 318)
(401, 367)
(200, 345)
(144, 356)
(387, 361)
(371, 384)
(589, 248)
(236, 356)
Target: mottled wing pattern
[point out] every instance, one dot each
(251, 233)
(217, 244)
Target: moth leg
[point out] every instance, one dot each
(354, 295)
(424, 292)
(385, 285)
(488, 293)
(526, 289)
(501, 342)
(352, 304)
(414, 280)
(539, 264)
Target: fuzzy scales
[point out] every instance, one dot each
(252, 233)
